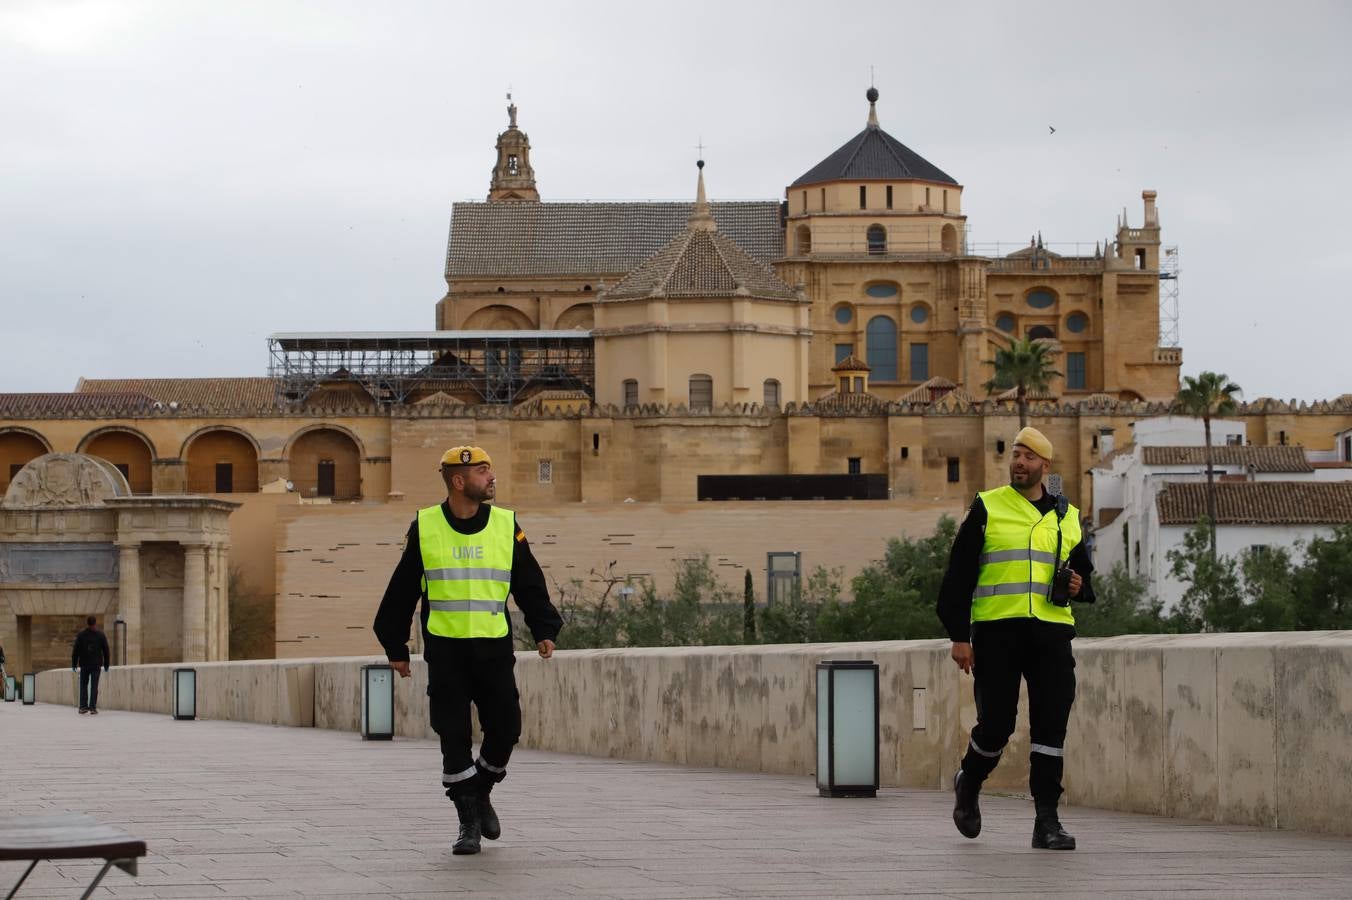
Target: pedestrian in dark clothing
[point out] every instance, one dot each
(462, 559)
(90, 653)
(1016, 563)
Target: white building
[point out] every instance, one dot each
(1147, 496)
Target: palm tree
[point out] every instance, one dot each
(1209, 395)
(1024, 365)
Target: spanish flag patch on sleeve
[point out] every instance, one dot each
(520, 535)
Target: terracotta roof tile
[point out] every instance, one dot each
(936, 389)
(1262, 459)
(1259, 503)
(56, 406)
(200, 393)
(696, 264)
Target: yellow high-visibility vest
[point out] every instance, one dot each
(1018, 559)
(467, 576)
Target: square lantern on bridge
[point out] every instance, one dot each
(185, 693)
(377, 703)
(847, 728)
(30, 688)
(11, 689)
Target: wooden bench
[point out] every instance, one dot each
(68, 836)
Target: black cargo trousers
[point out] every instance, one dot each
(480, 672)
(1040, 654)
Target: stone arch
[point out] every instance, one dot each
(18, 447)
(325, 461)
(948, 239)
(498, 318)
(580, 315)
(220, 459)
(130, 451)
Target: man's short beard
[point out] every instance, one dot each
(479, 495)
(1029, 479)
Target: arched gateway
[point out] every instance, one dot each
(75, 542)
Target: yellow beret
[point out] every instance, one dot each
(1034, 440)
(465, 456)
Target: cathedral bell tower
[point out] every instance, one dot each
(513, 178)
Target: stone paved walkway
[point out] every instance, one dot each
(233, 810)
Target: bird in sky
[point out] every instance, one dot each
(1051, 129)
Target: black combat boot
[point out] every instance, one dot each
(1047, 831)
(488, 816)
(467, 808)
(966, 810)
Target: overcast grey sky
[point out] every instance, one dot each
(180, 179)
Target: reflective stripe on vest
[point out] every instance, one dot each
(467, 576)
(1018, 559)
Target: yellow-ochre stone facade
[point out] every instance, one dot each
(846, 328)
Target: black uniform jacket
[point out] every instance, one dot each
(405, 589)
(90, 650)
(964, 567)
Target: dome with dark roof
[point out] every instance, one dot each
(873, 154)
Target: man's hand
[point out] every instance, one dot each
(963, 656)
(401, 667)
(546, 648)
(1076, 582)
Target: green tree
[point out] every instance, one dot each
(1214, 598)
(1025, 365)
(1208, 396)
(894, 597)
(797, 619)
(748, 610)
(1322, 584)
(1122, 605)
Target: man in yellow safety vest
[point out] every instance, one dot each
(463, 558)
(1016, 563)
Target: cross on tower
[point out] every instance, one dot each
(700, 147)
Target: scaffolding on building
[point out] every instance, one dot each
(1169, 269)
(494, 367)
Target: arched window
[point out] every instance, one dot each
(804, 240)
(1005, 322)
(701, 392)
(771, 393)
(1077, 322)
(1040, 331)
(877, 239)
(631, 392)
(881, 348)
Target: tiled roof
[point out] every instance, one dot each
(1031, 395)
(1262, 459)
(701, 263)
(851, 363)
(874, 154)
(491, 239)
(1259, 503)
(57, 406)
(208, 393)
(935, 389)
(836, 402)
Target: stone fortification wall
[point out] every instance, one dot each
(1243, 729)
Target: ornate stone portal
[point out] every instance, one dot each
(74, 542)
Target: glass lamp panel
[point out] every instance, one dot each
(855, 741)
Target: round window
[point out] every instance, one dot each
(844, 315)
(1005, 322)
(881, 290)
(1077, 322)
(1041, 299)
(919, 314)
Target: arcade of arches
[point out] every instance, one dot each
(321, 462)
